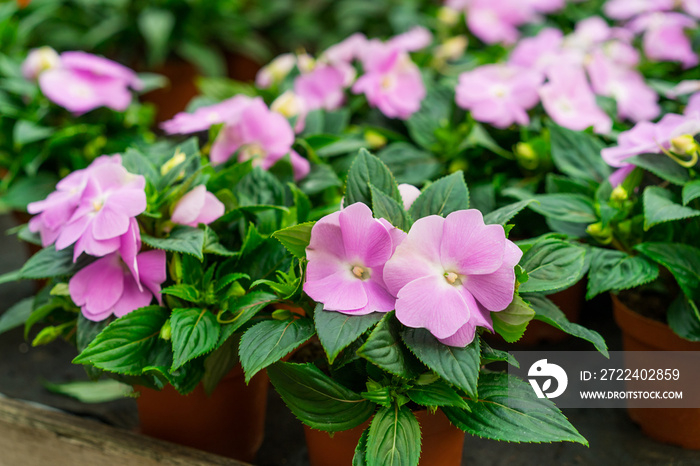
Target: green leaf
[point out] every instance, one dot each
(551, 265)
(28, 189)
(458, 366)
(661, 166)
(135, 162)
(302, 203)
(127, 345)
(244, 309)
(25, 132)
(684, 318)
(194, 333)
(574, 208)
(385, 207)
(183, 291)
(659, 208)
(366, 169)
(436, 394)
(336, 330)
(219, 363)
(268, 342)
(434, 113)
(49, 263)
(548, 312)
(508, 409)
(616, 270)
(505, 214)
(184, 239)
(444, 196)
(394, 438)
(681, 260)
(295, 238)
(384, 348)
(317, 400)
(489, 354)
(156, 26)
(511, 322)
(691, 191)
(360, 457)
(100, 391)
(16, 315)
(577, 154)
(408, 163)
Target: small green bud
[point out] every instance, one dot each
(375, 139)
(457, 165)
(60, 289)
(281, 314)
(47, 335)
(600, 233)
(526, 155)
(166, 331)
(426, 378)
(619, 194)
(684, 144)
(175, 268)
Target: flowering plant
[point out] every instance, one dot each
(59, 113)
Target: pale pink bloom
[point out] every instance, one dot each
(644, 138)
(323, 87)
(621, 53)
(84, 82)
(546, 6)
(415, 39)
(626, 9)
(59, 206)
(275, 71)
(261, 135)
(197, 206)
(107, 287)
(409, 193)
(692, 7)
(569, 101)
(496, 21)
(589, 32)
(450, 273)
(111, 198)
(635, 99)
(204, 117)
(541, 51)
(499, 94)
(347, 50)
(346, 255)
(392, 82)
(665, 38)
(291, 105)
(38, 61)
(693, 106)
(688, 86)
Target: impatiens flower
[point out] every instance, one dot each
(347, 253)
(392, 82)
(496, 21)
(450, 273)
(409, 193)
(626, 9)
(538, 52)
(111, 198)
(204, 117)
(570, 102)
(665, 38)
(107, 286)
(644, 138)
(291, 105)
(323, 87)
(84, 82)
(275, 71)
(261, 135)
(197, 206)
(693, 106)
(59, 206)
(39, 60)
(345, 51)
(415, 39)
(499, 94)
(692, 7)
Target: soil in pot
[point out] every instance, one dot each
(230, 422)
(441, 444)
(677, 426)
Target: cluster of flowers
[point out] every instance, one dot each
(390, 80)
(501, 94)
(79, 81)
(446, 275)
(95, 210)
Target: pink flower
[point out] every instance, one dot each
(197, 206)
(693, 106)
(449, 273)
(275, 71)
(635, 100)
(626, 9)
(322, 88)
(496, 21)
(107, 286)
(546, 6)
(259, 134)
(665, 38)
(415, 39)
(84, 82)
(38, 61)
(392, 82)
(692, 7)
(347, 253)
(204, 117)
(569, 101)
(110, 199)
(538, 52)
(347, 50)
(499, 94)
(409, 193)
(59, 206)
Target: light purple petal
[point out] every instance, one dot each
(187, 210)
(366, 240)
(341, 291)
(109, 224)
(132, 298)
(495, 291)
(470, 247)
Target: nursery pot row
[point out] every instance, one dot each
(677, 426)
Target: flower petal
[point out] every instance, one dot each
(470, 247)
(366, 240)
(341, 292)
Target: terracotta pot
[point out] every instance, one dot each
(677, 426)
(231, 422)
(441, 443)
(179, 91)
(241, 68)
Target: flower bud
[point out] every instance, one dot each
(526, 155)
(452, 48)
(374, 139)
(275, 71)
(600, 233)
(684, 144)
(619, 194)
(166, 331)
(174, 161)
(448, 16)
(288, 104)
(38, 60)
